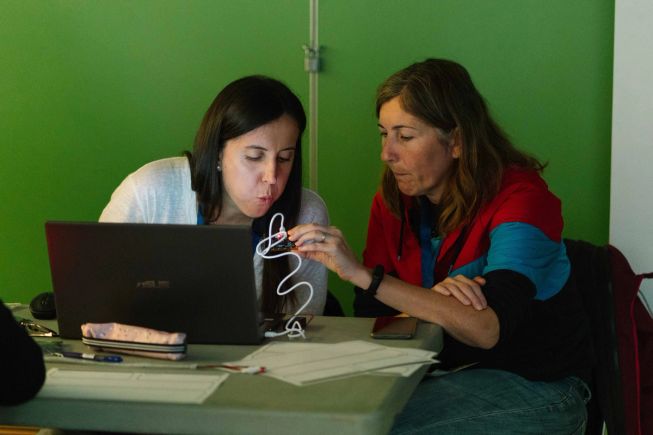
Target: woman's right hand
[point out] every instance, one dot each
(328, 246)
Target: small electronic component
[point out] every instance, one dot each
(284, 246)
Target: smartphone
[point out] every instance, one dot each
(394, 327)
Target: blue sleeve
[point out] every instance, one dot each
(525, 249)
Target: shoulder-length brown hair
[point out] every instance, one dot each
(242, 106)
(441, 93)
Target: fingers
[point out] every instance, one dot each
(466, 291)
(328, 246)
(317, 242)
(441, 289)
(313, 233)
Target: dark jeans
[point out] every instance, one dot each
(480, 401)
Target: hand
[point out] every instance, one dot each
(328, 246)
(467, 291)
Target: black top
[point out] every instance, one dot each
(22, 371)
(539, 340)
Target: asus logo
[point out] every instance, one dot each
(153, 283)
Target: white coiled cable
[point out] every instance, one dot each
(292, 328)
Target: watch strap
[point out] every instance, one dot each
(377, 277)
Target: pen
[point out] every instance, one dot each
(90, 356)
(250, 370)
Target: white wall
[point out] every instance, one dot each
(631, 195)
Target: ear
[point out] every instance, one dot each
(218, 164)
(456, 144)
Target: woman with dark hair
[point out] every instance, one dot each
(244, 168)
(465, 233)
(22, 371)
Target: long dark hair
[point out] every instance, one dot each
(242, 106)
(441, 93)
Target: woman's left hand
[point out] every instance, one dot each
(328, 246)
(467, 291)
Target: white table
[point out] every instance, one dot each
(247, 404)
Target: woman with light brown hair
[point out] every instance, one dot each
(465, 233)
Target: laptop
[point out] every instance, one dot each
(176, 278)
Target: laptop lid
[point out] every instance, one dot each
(176, 278)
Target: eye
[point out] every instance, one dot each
(383, 134)
(285, 157)
(254, 157)
(405, 138)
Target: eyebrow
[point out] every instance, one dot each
(397, 127)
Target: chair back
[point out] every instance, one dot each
(622, 337)
(590, 269)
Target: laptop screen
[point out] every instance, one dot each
(176, 278)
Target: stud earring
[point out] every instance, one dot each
(219, 168)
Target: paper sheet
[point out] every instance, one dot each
(130, 386)
(304, 363)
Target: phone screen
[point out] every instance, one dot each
(394, 327)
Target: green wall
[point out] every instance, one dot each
(91, 90)
(544, 67)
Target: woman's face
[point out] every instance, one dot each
(415, 153)
(255, 169)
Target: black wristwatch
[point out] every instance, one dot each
(377, 277)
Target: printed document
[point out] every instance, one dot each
(305, 363)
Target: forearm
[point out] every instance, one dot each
(463, 322)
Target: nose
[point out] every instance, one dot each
(387, 150)
(270, 172)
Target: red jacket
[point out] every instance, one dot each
(524, 198)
